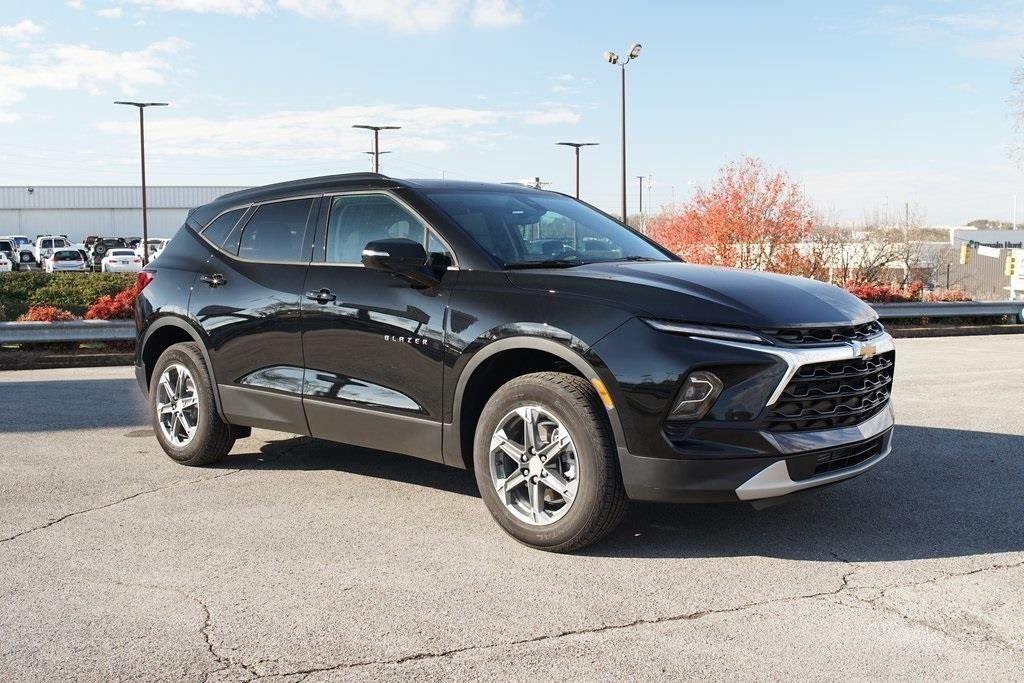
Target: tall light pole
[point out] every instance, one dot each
(142, 155)
(641, 179)
(577, 145)
(613, 58)
(376, 142)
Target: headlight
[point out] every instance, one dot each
(730, 333)
(700, 389)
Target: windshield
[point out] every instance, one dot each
(535, 230)
(22, 241)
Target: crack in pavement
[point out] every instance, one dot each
(843, 588)
(642, 621)
(157, 489)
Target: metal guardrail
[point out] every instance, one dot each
(951, 309)
(67, 331)
(124, 330)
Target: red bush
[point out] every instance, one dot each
(118, 307)
(45, 314)
(949, 295)
(879, 294)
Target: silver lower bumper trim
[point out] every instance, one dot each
(774, 480)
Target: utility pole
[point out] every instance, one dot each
(641, 179)
(613, 58)
(577, 146)
(142, 156)
(376, 142)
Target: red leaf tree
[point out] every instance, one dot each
(751, 217)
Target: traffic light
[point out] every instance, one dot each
(963, 254)
(1011, 266)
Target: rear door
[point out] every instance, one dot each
(373, 342)
(246, 299)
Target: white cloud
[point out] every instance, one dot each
(235, 7)
(110, 12)
(74, 4)
(992, 31)
(564, 77)
(83, 68)
(408, 16)
(496, 13)
(328, 134)
(21, 31)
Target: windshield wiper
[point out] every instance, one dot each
(550, 263)
(638, 258)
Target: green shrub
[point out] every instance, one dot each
(73, 292)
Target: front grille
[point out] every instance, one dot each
(833, 394)
(825, 335)
(815, 464)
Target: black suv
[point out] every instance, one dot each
(570, 361)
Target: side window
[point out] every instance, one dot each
(47, 244)
(276, 231)
(222, 228)
(355, 220)
(438, 255)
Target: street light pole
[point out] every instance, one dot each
(577, 146)
(142, 156)
(641, 179)
(613, 58)
(376, 142)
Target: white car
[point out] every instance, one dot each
(47, 244)
(5, 263)
(121, 261)
(155, 247)
(64, 260)
(22, 247)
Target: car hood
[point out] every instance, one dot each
(673, 290)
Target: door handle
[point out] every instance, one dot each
(215, 280)
(321, 296)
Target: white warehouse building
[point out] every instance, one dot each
(95, 210)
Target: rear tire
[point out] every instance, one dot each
(565, 409)
(183, 410)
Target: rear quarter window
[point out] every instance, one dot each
(222, 231)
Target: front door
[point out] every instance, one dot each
(373, 342)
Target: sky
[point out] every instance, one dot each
(869, 105)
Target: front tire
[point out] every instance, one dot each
(183, 410)
(546, 463)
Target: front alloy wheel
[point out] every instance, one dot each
(533, 465)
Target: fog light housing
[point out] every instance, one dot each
(700, 389)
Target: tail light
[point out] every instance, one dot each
(143, 278)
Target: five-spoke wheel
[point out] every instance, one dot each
(177, 405)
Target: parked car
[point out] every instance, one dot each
(121, 261)
(64, 260)
(5, 263)
(27, 258)
(156, 245)
(11, 252)
(101, 246)
(45, 245)
(414, 317)
(89, 239)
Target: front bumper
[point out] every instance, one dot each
(754, 479)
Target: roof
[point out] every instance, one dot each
(327, 183)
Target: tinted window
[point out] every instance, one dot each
(522, 228)
(221, 229)
(7, 248)
(275, 232)
(67, 256)
(356, 220)
(47, 244)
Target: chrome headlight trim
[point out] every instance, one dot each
(707, 331)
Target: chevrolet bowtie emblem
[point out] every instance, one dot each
(865, 350)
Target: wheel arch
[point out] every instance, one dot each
(163, 333)
(522, 355)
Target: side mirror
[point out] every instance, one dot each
(405, 258)
(394, 255)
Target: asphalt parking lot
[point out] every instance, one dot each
(302, 560)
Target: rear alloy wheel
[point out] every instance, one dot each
(185, 416)
(546, 463)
